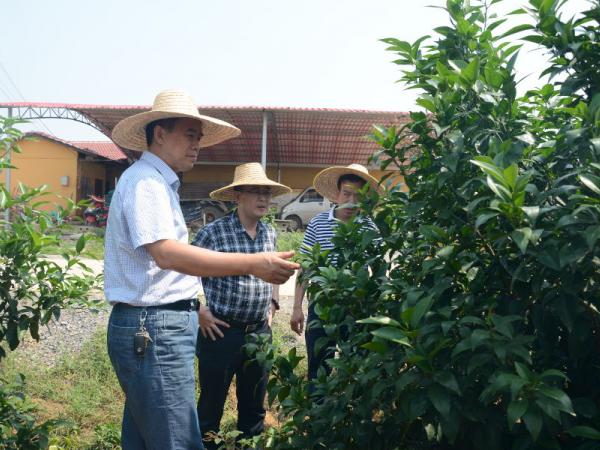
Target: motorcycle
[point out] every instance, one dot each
(97, 213)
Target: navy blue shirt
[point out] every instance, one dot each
(243, 298)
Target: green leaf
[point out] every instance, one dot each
(533, 421)
(561, 397)
(532, 213)
(515, 411)
(592, 235)
(420, 310)
(80, 244)
(523, 371)
(499, 190)
(483, 218)
(585, 432)
(510, 175)
(377, 347)
(487, 165)
(448, 380)
(471, 71)
(521, 237)
(445, 252)
(516, 29)
(379, 320)
(592, 182)
(440, 399)
(392, 334)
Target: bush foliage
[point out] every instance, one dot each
(479, 328)
(33, 289)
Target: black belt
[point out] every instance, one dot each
(248, 327)
(189, 304)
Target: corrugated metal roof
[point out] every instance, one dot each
(295, 136)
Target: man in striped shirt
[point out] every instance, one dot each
(341, 185)
(236, 306)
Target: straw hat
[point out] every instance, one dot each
(250, 174)
(325, 181)
(131, 131)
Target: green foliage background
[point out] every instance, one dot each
(479, 326)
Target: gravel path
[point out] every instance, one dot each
(75, 326)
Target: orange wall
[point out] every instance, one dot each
(294, 177)
(44, 162)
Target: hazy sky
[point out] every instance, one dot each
(308, 53)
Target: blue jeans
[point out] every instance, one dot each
(160, 407)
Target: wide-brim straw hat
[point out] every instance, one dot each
(131, 131)
(326, 181)
(250, 174)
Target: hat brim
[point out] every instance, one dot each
(130, 132)
(325, 182)
(227, 193)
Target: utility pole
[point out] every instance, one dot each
(7, 161)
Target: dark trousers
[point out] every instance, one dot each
(315, 331)
(218, 361)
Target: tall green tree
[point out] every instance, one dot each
(475, 322)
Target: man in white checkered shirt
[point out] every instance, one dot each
(236, 306)
(151, 271)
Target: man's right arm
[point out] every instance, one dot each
(273, 267)
(297, 318)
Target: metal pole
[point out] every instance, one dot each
(263, 153)
(7, 160)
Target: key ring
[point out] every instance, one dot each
(143, 316)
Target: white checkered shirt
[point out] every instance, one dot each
(144, 209)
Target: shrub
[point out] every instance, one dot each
(479, 328)
(32, 289)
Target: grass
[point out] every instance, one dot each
(289, 240)
(83, 390)
(94, 246)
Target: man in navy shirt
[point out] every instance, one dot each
(236, 306)
(341, 185)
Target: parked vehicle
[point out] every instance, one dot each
(97, 213)
(304, 207)
(291, 214)
(198, 213)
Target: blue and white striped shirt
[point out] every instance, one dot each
(243, 298)
(144, 209)
(321, 229)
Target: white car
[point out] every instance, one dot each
(307, 205)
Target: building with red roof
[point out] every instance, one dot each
(70, 170)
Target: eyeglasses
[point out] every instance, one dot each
(258, 191)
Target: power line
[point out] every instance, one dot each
(21, 95)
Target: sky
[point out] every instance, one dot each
(309, 53)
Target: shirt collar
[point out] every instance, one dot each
(332, 215)
(239, 228)
(168, 174)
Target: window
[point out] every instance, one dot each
(311, 196)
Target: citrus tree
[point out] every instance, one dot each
(33, 289)
(474, 321)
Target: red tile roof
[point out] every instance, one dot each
(104, 149)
